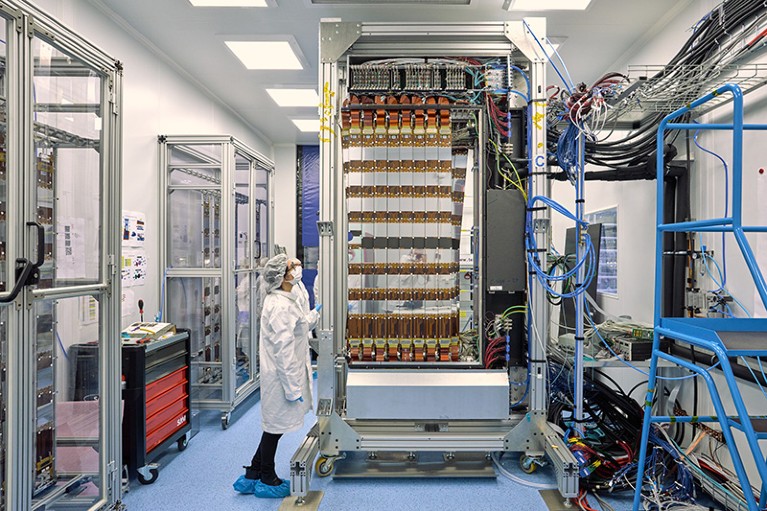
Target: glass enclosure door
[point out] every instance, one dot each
(194, 211)
(59, 162)
(6, 280)
(68, 168)
(243, 268)
(262, 214)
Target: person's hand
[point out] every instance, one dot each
(300, 399)
(318, 307)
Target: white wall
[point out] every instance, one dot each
(636, 219)
(157, 99)
(285, 197)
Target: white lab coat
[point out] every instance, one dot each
(285, 363)
(302, 297)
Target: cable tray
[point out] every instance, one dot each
(665, 89)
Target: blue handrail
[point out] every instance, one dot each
(733, 223)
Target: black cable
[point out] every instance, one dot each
(719, 37)
(636, 387)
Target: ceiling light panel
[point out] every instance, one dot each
(294, 97)
(307, 125)
(546, 5)
(228, 3)
(265, 54)
(379, 2)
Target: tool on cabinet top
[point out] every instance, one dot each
(149, 330)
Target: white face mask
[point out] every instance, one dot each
(296, 272)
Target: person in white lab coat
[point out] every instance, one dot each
(285, 376)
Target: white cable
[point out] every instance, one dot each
(508, 475)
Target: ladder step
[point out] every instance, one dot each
(758, 422)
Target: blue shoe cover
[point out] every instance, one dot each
(265, 491)
(245, 486)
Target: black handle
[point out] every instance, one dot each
(40, 243)
(22, 275)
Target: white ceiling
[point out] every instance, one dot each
(194, 38)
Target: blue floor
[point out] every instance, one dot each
(201, 478)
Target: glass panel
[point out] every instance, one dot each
(244, 283)
(3, 336)
(194, 229)
(195, 164)
(242, 173)
(261, 243)
(67, 413)
(195, 303)
(67, 122)
(196, 176)
(3, 149)
(194, 154)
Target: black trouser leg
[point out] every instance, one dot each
(262, 464)
(254, 470)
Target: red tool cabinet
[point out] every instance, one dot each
(157, 401)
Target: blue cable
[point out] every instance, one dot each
(161, 312)
(726, 202)
(542, 275)
(748, 366)
(512, 91)
(61, 344)
(567, 85)
(706, 258)
(527, 79)
(567, 150)
(564, 66)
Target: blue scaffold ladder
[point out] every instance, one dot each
(724, 337)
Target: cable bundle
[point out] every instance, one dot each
(543, 275)
(725, 36)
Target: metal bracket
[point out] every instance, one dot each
(112, 94)
(540, 225)
(520, 36)
(325, 228)
(324, 407)
(336, 38)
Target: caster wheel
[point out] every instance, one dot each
(225, 421)
(528, 464)
(153, 473)
(183, 443)
(323, 467)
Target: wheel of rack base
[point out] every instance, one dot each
(323, 467)
(225, 421)
(153, 473)
(528, 464)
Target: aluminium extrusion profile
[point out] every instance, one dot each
(383, 40)
(564, 463)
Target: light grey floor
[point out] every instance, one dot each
(201, 478)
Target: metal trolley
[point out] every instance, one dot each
(216, 224)
(432, 402)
